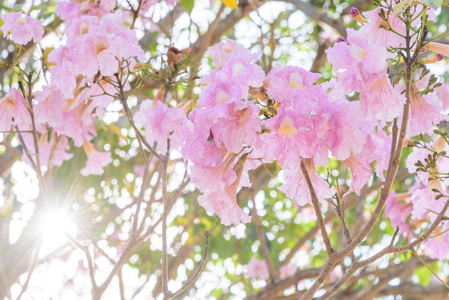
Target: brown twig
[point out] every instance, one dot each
(317, 209)
(389, 249)
(263, 245)
(145, 183)
(195, 276)
(89, 259)
(30, 271)
(165, 202)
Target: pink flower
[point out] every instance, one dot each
(420, 154)
(69, 11)
(335, 129)
(424, 199)
(243, 69)
(425, 113)
(380, 100)
(296, 186)
(13, 110)
(350, 81)
(197, 143)
(360, 61)
(443, 94)
(49, 108)
(219, 184)
(383, 145)
(375, 35)
(287, 271)
(436, 247)
(292, 84)
(81, 26)
(257, 269)
(287, 142)
(78, 124)
(356, 54)
(222, 91)
(361, 171)
(60, 153)
(236, 125)
(22, 28)
(101, 52)
(95, 160)
(107, 5)
(359, 163)
(425, 204)
(226, 208)
(239, 70)
(240, 128)
(397, 208)
(62, 70)
(161, 123)
(334, 92)
(113, 24)
(221, 53)
(99, 103)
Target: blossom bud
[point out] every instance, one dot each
(89, 148)
(355, 13)
(443, 49)
(432, 59)
(138, 67)
(257, 93)
(439, 144)
(231, 190)
(186, 106)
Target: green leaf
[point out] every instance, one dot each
(434, 4)
(187, 4)
(401, 7)
(424, 276)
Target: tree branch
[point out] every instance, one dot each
(319, 17)
(316, 207)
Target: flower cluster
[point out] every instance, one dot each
(219, 132)
(22, 29)
(98, 46)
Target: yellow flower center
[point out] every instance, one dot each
(222, 97)
(84, 28)
(287, 128)
(326, 123)
(9, 103)
(99, 46)
(21, 21)
(227, 48)
(243, 115)
(296, 81)
(358, 52)
(237, 69)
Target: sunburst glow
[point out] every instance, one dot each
(54, 227)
